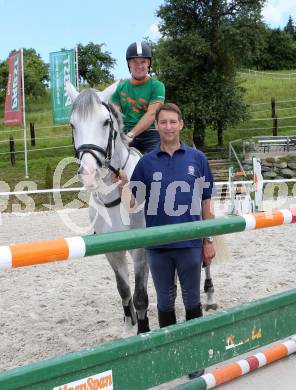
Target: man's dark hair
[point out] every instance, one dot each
(168, 107)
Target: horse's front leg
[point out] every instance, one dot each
(209, 290)
(118, 262)
(140, 297)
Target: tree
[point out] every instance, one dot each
(198, 55)
(94, 64)
(35, 75)
(280, 51)
(290, 27)
(3, 80)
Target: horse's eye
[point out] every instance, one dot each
(107, 122)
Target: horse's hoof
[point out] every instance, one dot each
(212, 306)
(129, 313)
(143, 325)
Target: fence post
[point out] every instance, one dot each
(275, 126)
(11, 150)
(32, 132)
(274, 118)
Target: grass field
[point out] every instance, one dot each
(56, 142)
(260, 88)
(52, 144)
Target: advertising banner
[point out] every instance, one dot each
(103, 380)
(13, 100)
(62, 68)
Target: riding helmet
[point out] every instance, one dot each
(138, 49)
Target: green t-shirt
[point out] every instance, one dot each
(134, 99)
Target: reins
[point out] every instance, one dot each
(107, 153)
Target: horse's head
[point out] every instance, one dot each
(95, 123)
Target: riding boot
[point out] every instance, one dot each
(194, 313)
(190, 315)
(143, 324)
(166, 318)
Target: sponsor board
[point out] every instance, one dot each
(103, 380)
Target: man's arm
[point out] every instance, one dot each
(208, 247)
(207, 209)
(127, 197)
(146, 121)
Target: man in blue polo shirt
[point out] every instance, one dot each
(175, 183)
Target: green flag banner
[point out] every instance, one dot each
(62, 68)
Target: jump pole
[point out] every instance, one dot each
(241, 367)
(20, 255)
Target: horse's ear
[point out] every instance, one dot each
(71, 91)
(105, 95)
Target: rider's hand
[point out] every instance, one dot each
(130, 136)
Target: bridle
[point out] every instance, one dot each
(107, 153)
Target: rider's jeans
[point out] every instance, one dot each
(146, 141)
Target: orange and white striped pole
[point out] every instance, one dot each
(244, 366)
(20, 255)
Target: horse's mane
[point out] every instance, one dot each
(87, 102)
(117, 115)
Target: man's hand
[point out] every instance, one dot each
(122, 178)
(127, 197)
(208, 252)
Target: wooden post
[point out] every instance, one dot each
(32, 132)
(275, 126)
(273, 107)
(274, 118)
(11, 150)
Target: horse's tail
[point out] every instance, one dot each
(223, 253)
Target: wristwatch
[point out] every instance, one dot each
(131, 134)
(209, 239)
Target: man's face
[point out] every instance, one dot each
(169, 126)
(139, 67)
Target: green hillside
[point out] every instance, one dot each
(54, 143)
(260, 88)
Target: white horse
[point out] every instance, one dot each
(101, 151)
